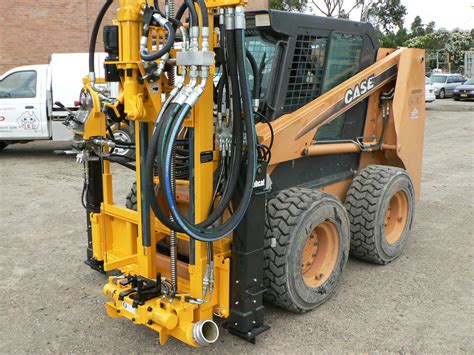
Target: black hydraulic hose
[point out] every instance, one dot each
(196, 231)
(237, 133)
(256, 75)
(224, 80)
(95, 33)
(236, 141)
(121, 161)
(170, 112)
(188, 4)
(204, 13)
(166, 48)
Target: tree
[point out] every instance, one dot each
(334, 8)
(288, 5)
(417, 27)
(387, 15)
(443, 43)
(430, 27)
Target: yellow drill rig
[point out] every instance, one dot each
(268, 146)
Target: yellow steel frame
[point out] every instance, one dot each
(117, 232)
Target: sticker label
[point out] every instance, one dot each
(128, 307)
(28, 120)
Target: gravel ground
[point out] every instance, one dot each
(422, 302)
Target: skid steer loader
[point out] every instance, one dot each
(269, 146)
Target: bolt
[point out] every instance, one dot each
(236, 324)
(254, 280)
(254, 322)
(236, 302)
(150, 322)
(133, 319)
(236, 281)
(314, 254)
(259, 170)
(149, 309)
(315, 244)
(118, 310)
(254, 301)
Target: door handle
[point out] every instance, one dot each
(29, 107)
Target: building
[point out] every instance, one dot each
(32, 30)
(469, 64)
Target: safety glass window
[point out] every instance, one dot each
(19, 85)
(263, 52)
(343, 62)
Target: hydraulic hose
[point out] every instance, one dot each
(170, 112)
(237, 140)
(216, 233)
(95, 33)
(188, 4)
(256, 75)
(204, 13)
(166, 48)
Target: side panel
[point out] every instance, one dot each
(409, 113)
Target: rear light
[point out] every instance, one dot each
(77, 103)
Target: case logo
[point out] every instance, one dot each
(360, 89)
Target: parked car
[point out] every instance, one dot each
(465, 91)
(444, 84)
(429, 91)
(28, 95)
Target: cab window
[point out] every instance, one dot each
(19, 85)
(343, 62)
(264, 53)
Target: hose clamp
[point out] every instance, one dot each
(229, 19)
(240, 23)
(160, 19)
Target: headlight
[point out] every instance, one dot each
(86, 100)
(87, 104)
(456, 90)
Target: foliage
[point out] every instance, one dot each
(387, 15)
(287, 5)
(450, 46)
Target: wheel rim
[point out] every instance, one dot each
(320, 254)
(120, 136)
(396, 217)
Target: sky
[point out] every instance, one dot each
(449, 14)
(445, 13)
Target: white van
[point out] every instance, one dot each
(28, 94)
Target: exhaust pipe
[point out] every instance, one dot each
(205, 332)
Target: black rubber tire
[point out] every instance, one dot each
(442, 94)
(3, 145)
(126, 135)
(131, 200)
(291, 217)
(367, 202)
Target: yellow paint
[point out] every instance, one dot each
(117, 231)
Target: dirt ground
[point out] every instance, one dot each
(422, 302)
